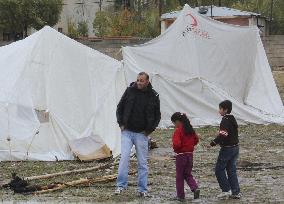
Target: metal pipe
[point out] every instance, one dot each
(271, 15)
(212, 8)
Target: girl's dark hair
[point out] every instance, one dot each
(185, 121)
(226, 105)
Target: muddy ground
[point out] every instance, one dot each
(260, 170)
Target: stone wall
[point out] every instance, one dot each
(112, 47)
(274, 47)
(2, 43)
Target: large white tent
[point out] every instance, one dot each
(198, 62)
(58, 96)
(61, 89)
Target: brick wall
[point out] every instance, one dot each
(235, 21)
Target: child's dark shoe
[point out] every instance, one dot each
(236, 196)
(196, 193)
(178, 199)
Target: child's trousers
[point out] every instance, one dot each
(184, 163)
(226, 169)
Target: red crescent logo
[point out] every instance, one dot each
(194, 19)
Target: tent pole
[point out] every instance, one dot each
(31, 145)
(10, 151)
(8, 137)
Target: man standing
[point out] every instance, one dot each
(138, 114)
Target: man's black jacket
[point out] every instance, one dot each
(139, 110)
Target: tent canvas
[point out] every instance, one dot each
(198, 62)
(61, 89)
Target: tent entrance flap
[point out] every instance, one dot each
(90, 148)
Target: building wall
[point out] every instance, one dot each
(241, 21)
(166, 23)
(163, 26)
(235, 21)
(262, 24)
(76, 13)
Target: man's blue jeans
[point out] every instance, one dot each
(227, 162)
(128, 139)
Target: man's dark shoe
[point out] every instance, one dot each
(144, 195)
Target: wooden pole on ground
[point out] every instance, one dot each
(69, 172)
(80, 182)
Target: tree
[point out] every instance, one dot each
(127, 23)
(72, 29)
(277, 26)
(83, 29)
(19, 15)
(152, 23)
(264, 8)
(192, 3)
(16, 15)
(122, 4)
(141, 17)
(258, 6)
(101, 23)
(48, 12)
(170, 5)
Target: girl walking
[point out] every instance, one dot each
(184, 139)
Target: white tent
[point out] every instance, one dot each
(198, 62)
(64, 90)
